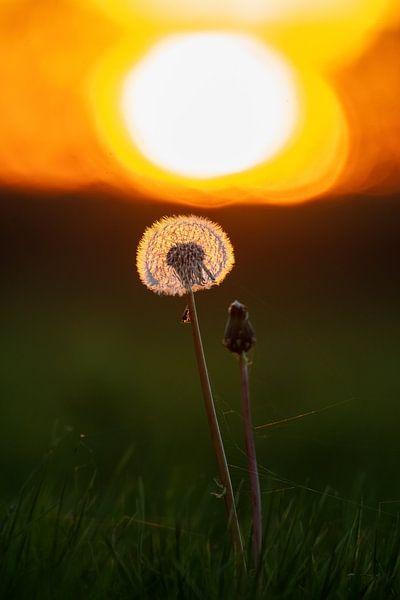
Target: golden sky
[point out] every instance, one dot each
(63, 65)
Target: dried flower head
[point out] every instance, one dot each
(239, 333)
(180, 254)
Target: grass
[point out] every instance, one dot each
(68, 536)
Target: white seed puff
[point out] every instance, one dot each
(180, 254)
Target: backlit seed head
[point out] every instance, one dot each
(177, 255)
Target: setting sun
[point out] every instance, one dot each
(210, 104)
(140, 96)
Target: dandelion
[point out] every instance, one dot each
(179, 256)
(239, 333)
(239, 338)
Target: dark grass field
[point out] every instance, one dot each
(74, 540)
(107, 474)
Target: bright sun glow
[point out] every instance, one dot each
(67, 118)
(210, 104)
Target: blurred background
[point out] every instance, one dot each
(98, 367)
(86, 350)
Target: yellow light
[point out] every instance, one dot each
(242, 11)
(209, 104)
(307, 164)
(323, 32)
(62, 126)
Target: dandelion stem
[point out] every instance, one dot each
(215, 432)
(251, 459)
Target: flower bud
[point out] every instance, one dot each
(239, 333)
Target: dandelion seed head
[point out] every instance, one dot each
(180, 254)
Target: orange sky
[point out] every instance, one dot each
(52, 135)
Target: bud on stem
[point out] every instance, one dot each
(239, 337)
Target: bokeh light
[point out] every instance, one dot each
(210, 104)
(64, 66)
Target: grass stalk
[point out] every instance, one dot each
(216, 437)
(252, 467)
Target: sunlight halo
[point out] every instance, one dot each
(209, 104)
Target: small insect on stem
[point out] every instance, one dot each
(185, 318)
(178, 256)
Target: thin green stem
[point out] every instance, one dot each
(215, 432)
(251, 459)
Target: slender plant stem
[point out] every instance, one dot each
(216, 433)
(251, 459)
